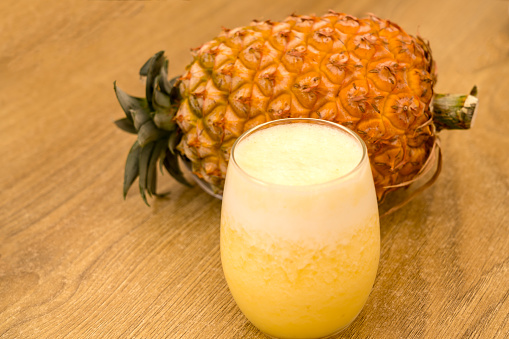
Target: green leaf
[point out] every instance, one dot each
(126, 125)
(174, 91)
(160, 100)
(144, 197)
(129, 103)
(152, 166)
(162, 155)
(149, 133)
(173, 141)
(164, 84)
(145, 154)
(154, 67)
(152, 118)
(144, 69)
(172, 166)
(140, 117)
(163, 119)
(132, 167)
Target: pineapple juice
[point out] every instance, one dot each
(300, 237)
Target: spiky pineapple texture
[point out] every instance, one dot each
(366, 74)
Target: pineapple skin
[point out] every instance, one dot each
(366, 74)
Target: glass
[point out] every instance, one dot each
(300, 259)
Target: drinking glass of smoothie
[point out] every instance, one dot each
(300, 235)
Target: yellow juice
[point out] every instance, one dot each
(300, 235)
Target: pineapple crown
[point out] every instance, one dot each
(151, 118)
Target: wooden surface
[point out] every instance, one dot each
(78, 261)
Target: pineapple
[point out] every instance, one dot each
(366, 74)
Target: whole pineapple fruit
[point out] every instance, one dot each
(366, 74)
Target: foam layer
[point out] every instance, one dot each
(298, 154)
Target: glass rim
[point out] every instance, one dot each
(268, 124)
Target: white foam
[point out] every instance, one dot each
(295, 209)
(298, 154)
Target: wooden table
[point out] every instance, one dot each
(78, 261)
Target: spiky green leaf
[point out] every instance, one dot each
(174, 91)
(161, 144)
(144, 196)
(164, 84)
(129, 103)
(162, 155)
(149, 133)
(173, 141)
(160, 99)
(126, 125)
(154, 67)
(172, 166)
(152, 119)
(140, 117)
(163, 119)
(132, 167)
(144, 69)
(145, 154)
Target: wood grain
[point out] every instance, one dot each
(77, 261)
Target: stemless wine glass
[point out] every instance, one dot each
(299, 255)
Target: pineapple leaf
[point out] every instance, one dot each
(126, 125)
(173, 141)
(174, 92)
(172, 166)
(129, 103)
(154, 67)
(161, 160)
(140, 117)
(132, 168)
(163, 119)
(152, 169)
(144, 197)
(160, 99)
(144, 69)
(164, 85)
(152, 119)
(144, 160)
(148, 133)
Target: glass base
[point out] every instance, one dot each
(328, 336)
